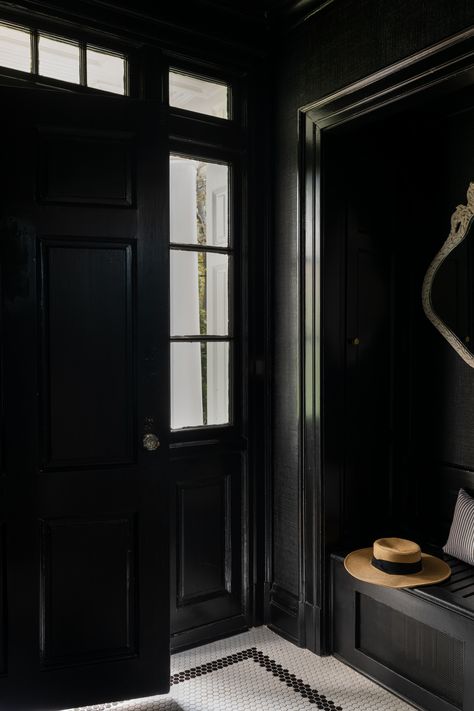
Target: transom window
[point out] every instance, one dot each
(203, 96)
(42, 54)
(201, 265)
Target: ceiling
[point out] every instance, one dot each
(268, 11)
(262, 13)
(244, 24)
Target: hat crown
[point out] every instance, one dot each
(396, 550)
(396, 563)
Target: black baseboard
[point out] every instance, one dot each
(286, 615)
(208, 633)
(313, 629)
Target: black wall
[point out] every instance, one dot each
(339, 45)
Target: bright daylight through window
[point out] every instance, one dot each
(201, 264)
(199, 95)
(62, 59)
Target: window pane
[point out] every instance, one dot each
(200, 95)
(105, 71)
(15, 48)
(199, 293)
(199, 384)
(199, 202)
(58, 59)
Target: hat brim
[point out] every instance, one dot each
(359, 565)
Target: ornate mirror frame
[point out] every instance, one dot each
(460, 223)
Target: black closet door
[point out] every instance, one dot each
(368, 382)
(84, 538)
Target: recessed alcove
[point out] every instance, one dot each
(393, 181)
(387, 162)
(380, 385)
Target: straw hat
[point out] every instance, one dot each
(396, 563)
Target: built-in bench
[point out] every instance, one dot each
(419, 643)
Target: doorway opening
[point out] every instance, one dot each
(96, 483)
(384, 164)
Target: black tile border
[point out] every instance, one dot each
(313, 696)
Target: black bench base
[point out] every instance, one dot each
(417, 643)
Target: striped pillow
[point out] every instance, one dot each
(460, 543)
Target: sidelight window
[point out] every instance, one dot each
(201, 265)
(63, 59)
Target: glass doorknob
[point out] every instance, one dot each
(150, 442)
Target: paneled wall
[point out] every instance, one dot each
(344, 42)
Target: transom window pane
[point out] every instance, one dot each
(199, 95)
(15, 48)
(199, 210)
(61, 58)
(106, 71)
(199, 293)
(199, 384)
(58, 59)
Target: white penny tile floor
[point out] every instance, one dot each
(260, 671)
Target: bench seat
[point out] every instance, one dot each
(418, 643)
(458, 591)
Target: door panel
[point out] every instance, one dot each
(204, 551)
(3, 627)
(210, 489)
(88, 352)
(368, 375)
(102, 625)
(103, 168)
(83, 234)
(206, 585)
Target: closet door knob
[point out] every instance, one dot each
(354, 341)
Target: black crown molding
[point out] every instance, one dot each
(269, 14)
(288, 14)
(247, 24)
(185, 26)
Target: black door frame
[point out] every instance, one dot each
(445, 66)
(245, 140)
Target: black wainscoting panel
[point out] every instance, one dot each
(208, 545)
(87, 590)
(204, 546)
(284, 613)
(3, 627)
(425, 655)
(88, 373)
(85, 169)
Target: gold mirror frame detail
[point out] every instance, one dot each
(460, 222)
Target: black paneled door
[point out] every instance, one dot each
(368, 375)
(84, 581)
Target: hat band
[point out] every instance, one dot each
(387, 566)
